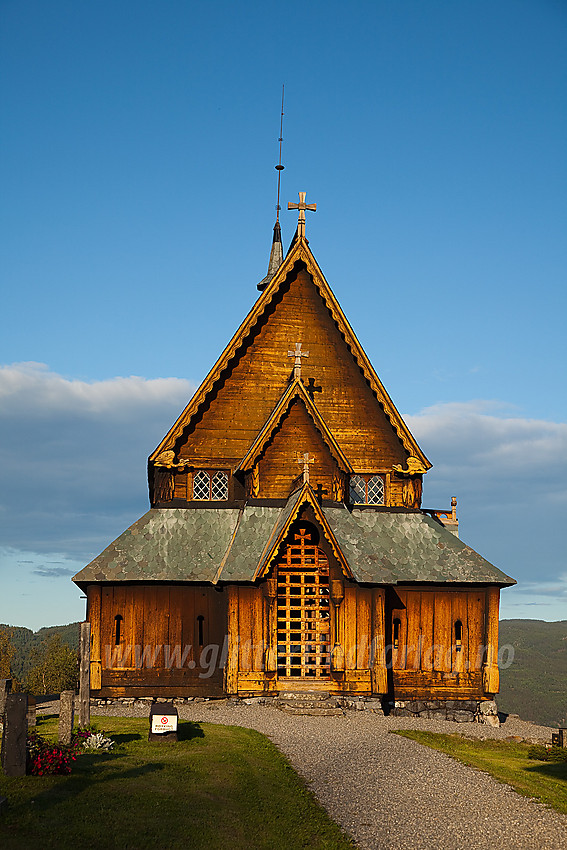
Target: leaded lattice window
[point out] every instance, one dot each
(219, 485)
(210, 485)
(367, 490)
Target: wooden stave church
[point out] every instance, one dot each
(289, 472)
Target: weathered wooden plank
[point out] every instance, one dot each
(350, 614)
(94, 617)
(426, 617)
(363, 627)
(162, 621)
(475, 616)
(379, 669)
(231, 666)
(416, 684)
(245, 629)
(490, 673)
(357, 682)
(442, 631)
(413, 614)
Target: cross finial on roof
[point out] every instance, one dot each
(305, 459)
(298, 354)
(301, 206)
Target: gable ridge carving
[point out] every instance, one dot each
(299, 256)
(305, 497)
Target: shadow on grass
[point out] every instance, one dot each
(84, 780)
(555, 770)
(187, 730)
(125, 737)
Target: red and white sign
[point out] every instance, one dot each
(164, 723)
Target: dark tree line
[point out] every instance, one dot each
(44, 662)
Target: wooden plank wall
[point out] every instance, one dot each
(278, 462)
(258, 378)
(159, 637)
(427, 659)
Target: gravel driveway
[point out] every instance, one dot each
(390, 792)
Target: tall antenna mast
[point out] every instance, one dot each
(276, 254)
(279, 166)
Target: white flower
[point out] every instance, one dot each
(97, 741)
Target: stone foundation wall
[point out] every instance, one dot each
(458, 710)
(355, 703)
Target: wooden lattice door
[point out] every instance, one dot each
(303, 609)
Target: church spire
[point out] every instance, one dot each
(276, 254)
(276, 257)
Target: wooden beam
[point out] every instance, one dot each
(490, 672)
(94, 618)
(378, 655)
(231, 669)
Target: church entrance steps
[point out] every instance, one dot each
(313, 711)
(304, 695)
(313, 703)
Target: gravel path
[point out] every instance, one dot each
(390, 792)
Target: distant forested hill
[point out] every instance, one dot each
(535, 684)
(24, 641)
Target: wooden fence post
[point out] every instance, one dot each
(85, 676)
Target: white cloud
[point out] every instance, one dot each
(509, 474)
(72, 454)
(32, 388)
(514, 444)
(496, 457)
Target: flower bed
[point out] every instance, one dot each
(48, 759)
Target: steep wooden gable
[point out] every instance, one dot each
(227, 413)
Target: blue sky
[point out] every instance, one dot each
(137, 154)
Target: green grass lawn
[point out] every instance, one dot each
(508, 762)
(218, 787)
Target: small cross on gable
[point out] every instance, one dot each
(298, 354)
(320, 491)
(305, 459)
(311, 388)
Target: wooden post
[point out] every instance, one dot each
(66, 716)
(490, 673)
(15, 735)
(84, 676)
(272, 636)
(32, 711)
(338, 653)
(231, 669)
(379, 670)
(94, 618)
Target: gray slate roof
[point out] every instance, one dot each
(390, 548)
(228, 544)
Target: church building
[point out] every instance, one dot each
(286, 548)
